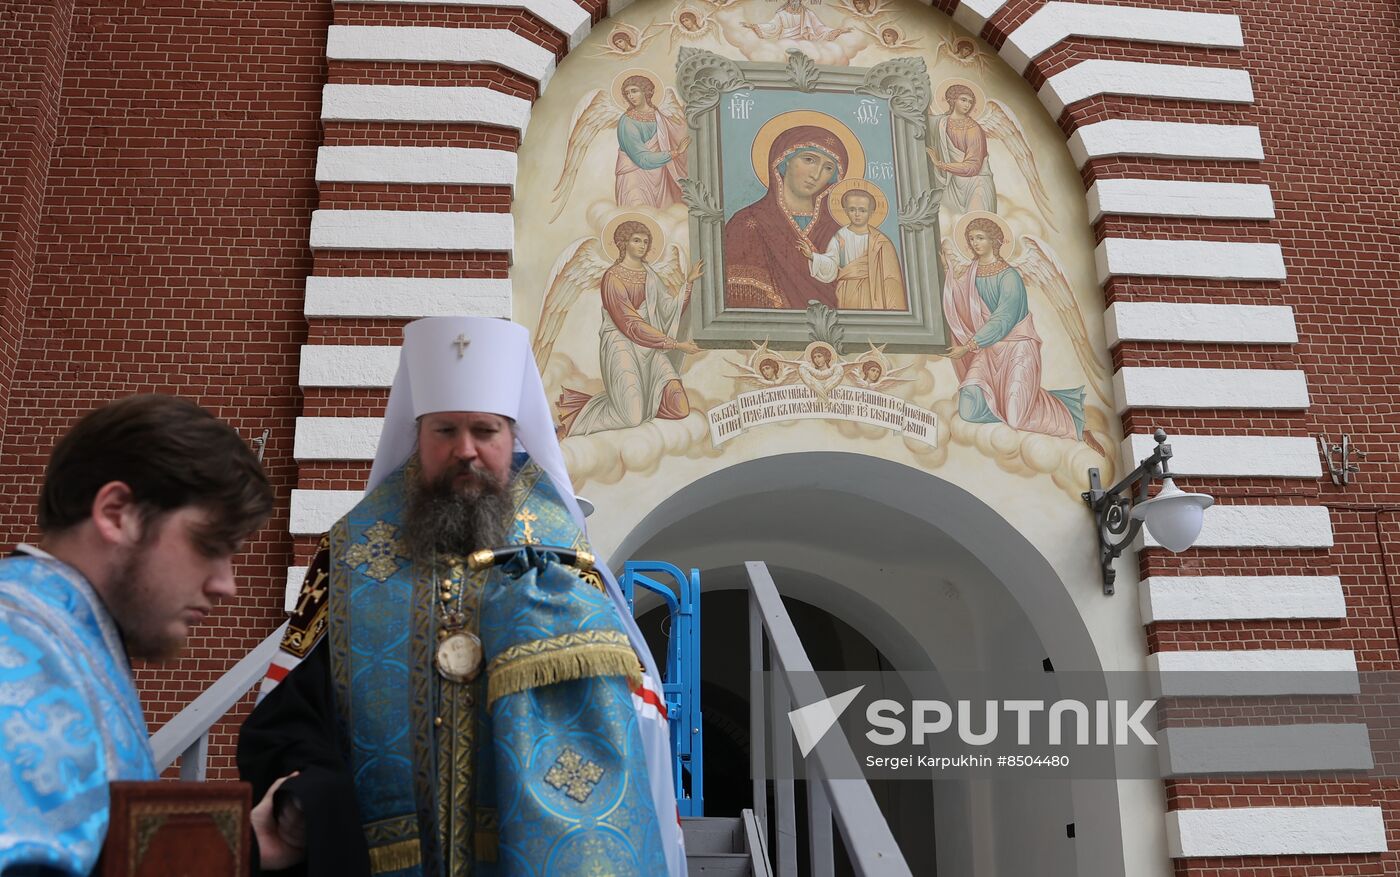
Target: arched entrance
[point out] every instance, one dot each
(896, 566)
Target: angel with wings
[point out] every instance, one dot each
(865, 8)
(958, 150)
(625, 41)
(651, 141)
(638, 348)
(996, 350)
(873, 370)
(764, 367)
(961, 50)
(889, 35)
(688, 23)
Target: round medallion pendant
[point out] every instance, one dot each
(459, 657)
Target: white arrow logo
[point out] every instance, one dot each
(811, 722)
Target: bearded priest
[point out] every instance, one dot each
(457, 692)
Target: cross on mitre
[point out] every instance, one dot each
(462, 342)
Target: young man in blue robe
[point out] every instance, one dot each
(144, 504)
(432, 713)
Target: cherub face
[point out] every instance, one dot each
(820, 358)
(862, 6)
(769, 369)
(964, 49)
(622, 41)
(689, 21)
(890, 36)
(964, 103)
(872, 372)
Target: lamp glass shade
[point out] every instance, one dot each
(1173, 516)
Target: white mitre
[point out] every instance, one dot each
(470, 364)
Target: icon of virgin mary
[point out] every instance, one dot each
(768, 245)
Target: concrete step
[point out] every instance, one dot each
(713, 834)
(716, 864)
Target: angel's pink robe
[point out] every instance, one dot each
(1001, 380)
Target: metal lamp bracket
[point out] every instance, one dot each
(1116, 526)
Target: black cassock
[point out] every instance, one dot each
(295, 729)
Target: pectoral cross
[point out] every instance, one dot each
(527, 518)
(462, 343)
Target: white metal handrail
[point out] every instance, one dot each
(186, 736)
(868, 840)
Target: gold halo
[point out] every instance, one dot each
(763, 140)
(658, 240)
(838, 212)
(831, 351)
(635, 71)
(960, 234)
(977, 93)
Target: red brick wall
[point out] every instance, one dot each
(33, 47)
(172, 251)
(169, 247)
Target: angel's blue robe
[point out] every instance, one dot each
(70, 720)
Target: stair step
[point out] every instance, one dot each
(733, 864)
(713, 834)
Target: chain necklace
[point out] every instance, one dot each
(459, 652)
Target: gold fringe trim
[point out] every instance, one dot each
(487, 846)
(395, 857)
(562, 665)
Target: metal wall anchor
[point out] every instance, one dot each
(1338, 458)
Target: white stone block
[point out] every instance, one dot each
(348, 365)
(415, 164)
(1199, 323)
(292, 595)
(337, 438)
(973, 14)
(1232, 456)
(314, 511)
(423, 103)
(444, 45)
(1254, 673)
(407, 297)
(1180, 198)
(1286, 749)
(1055, 21)
(565, 16)
(1275, 831)
(1171, 81)
(439, 231)
(1217, 260)
(1165, 140)
(1153, 387)
(1260, 526)
(1231, 598)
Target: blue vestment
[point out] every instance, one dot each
(70, 720)
(539, 771)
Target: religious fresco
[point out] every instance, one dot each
(751, 227)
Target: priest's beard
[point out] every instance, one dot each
(441, 518)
